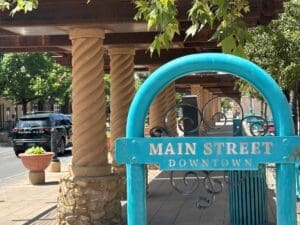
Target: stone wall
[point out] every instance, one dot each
(89, 201)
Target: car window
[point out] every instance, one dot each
(33, 122)
(66, 122)
(59, 122)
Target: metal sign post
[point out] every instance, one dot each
(229, 153)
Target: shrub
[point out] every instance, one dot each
(35, 150)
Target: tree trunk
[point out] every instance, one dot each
(51, 107)
(265, 110)
(298, 109)
(65, 108)
(293, 106)
(17, 113)
(262, 109)
(40, 106)
(24, 107)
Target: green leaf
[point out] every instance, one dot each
(239, 51)
(215, 36)
(28, 6)
(219, 2)
(151, 23)
(192, 30)
(228, 44)
(164, 2)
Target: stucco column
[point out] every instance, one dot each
(157, 109)
(215, 108)
(198, 91)
(219, 105)
(207, 113)
(170, 96)
(156, 115)
(214, 104)
(91, 193)
(121, 92)
(88, 103)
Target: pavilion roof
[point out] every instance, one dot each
(46, 29)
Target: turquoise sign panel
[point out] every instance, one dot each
(209, 153)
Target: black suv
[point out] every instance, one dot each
(35, 130)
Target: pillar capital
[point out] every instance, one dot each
(121, 50)
(86, 32)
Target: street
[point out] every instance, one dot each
(10, 165)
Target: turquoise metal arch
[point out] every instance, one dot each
(210, 62)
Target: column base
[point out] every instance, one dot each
(36, 178)
(90, 200)
(120, 171)
(54, 167)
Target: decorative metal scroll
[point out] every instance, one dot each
(210, 121)
(194, 125)
(204, 181)
(255, 126)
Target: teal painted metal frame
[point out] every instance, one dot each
(281, 149)
(210, 62)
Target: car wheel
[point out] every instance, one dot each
(18, 150)
(61, 146)
(17, 153)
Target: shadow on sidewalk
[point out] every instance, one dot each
(51, 183)
(40, 217)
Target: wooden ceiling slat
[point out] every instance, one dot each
(34, 49)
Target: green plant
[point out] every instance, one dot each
(35, 150)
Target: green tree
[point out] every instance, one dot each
(28, 77)
(276, 48)
(55, 87)
(225, 104)
(107, 92)
(18, 5)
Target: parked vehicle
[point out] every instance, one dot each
(35, 130)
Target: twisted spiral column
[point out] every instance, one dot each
(215, 104)
(122, 91)
(170, 96)
(89, 139)
(208, 110)
(198, 91)
(157, 108)
(219, 108)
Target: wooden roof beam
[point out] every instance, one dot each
(74, 12)
(198, 79)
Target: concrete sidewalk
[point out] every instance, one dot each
(26, 204)
(23, 203)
